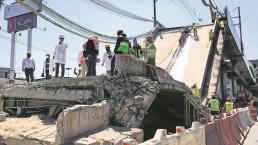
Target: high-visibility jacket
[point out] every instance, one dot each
(132, 52)
(211, 35)
(194, 27)
(139, 54)
(196, 92)
(229, 106)
(214, 105)
(123, 47)
(151, 50)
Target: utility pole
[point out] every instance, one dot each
(155, 16)
(240, 27)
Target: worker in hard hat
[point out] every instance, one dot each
(194, 28)
(83, 62)
(150, 55)
(60, 56)
(107, 59)
(195, 91)
(135, 45)
(229, 105)
(139, 52)
(214, 105)
(211, 35)
(132, 51)
(122, 43)
(28, 66)
(91, 52)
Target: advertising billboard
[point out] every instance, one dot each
(16, 9)
(22, 22)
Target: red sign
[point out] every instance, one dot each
(22, 22)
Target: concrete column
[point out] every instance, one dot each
(235, 89)
(29, 40)
(225, 80)
(12, 71)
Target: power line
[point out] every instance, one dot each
(34, 47)
(69, 25)
(183, 10)
(190, 10)
(190, 4)
(115, 9)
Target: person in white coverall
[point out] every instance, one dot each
(107, 58)
(60, 56)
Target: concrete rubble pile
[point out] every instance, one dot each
(127, 100)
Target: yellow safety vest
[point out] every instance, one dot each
(151, 50)
(196, 92)
(229, 106)
(132, 52)
(214, 104)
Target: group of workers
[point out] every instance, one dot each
(186, 32)
(122, 46)
(214, 103)
(88, 56)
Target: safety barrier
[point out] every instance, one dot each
(195, 135)
(212, 134)
(229, 130)
(253, 114)
(227, 133)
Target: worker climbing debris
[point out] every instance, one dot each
(195, 91)
(184, 34)
(211, 35)
(151, 55)
(194, 29)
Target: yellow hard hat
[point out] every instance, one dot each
(107, 46)
(142, 44)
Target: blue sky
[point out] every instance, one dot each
(169, 13)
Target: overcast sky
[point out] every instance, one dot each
(169, 12)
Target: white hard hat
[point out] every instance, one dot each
(61, 36)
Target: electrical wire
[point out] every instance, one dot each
(190, 10)
(69, 25)
(179, 5)
(34, 47)
(56, 15)
(115, 9)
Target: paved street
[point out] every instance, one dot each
(252, 137)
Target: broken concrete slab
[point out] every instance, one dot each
(86, 141)
(2, 117)
(1, 102)
(34, 130)
(80, 119)
(111, 136)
